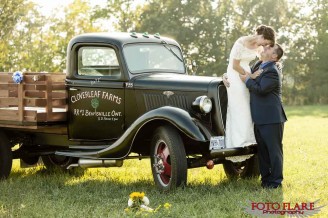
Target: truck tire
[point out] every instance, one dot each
(168, 159)
(6, 158)
(56, 162)
(246, 169)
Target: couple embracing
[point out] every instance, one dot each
(255, 114)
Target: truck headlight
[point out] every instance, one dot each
(202, 104)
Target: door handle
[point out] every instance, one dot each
(74, 89)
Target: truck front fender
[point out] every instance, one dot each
(176, 116)
(121, 147)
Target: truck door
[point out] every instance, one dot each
(96, 95)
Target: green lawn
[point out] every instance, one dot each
(104, 192)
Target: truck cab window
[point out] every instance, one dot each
(97, 61)
(153, 58)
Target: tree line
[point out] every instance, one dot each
(206, 30)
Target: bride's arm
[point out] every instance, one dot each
(236, 66)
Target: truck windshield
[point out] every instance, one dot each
(153, 57)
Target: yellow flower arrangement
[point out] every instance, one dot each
(137, 195)
(138, 203)
(139, 200)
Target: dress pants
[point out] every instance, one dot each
(270, 153)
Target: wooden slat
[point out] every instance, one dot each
(59, 102)
(58, 78)
(34, 82)
(35, 102)
(58, 86)
(8, 90)
(49, 98)
(34, 78)
(5, 102)
(42, 102)
(13, 93)
(35, 94)
(4, 93)
(4, 86)
(42, 94)
(59, 94)
(38, 90)
(30, 116)
(38, 77)
(12, 86)
(30, 119)
(33, 87)
(5, 77)
(20, 102)
(31, 113)
(9, 115)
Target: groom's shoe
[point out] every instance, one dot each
(271, 186)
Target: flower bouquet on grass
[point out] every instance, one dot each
(138, 201)
(138, 205)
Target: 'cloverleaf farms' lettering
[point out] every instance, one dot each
(95, 94)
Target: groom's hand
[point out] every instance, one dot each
(225, 80)
(256, 74)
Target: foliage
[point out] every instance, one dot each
(318, 77)
(205, 29)
(77, 20)
(12, 12)
(39, 41)
(122, 13)
(196, 25)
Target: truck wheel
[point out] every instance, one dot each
(168, 159)
(246, 169)
(53, 162)
(6, 158)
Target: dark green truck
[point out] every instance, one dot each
(124, 96)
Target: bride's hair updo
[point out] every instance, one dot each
(267, 32)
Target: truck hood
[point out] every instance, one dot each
(163, 81)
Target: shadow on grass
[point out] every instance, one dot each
(81, 181)
(41, 171)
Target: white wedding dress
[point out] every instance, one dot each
(239, 124)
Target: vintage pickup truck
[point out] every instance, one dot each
(124, 96)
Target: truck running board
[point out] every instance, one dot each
(229, 152)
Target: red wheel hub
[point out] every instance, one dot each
(163, 163)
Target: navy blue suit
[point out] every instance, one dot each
(269, 116)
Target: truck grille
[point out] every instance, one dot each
(222, 95)
(153, 101)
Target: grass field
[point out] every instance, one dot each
(104, 192)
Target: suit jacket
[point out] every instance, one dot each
(265, 95)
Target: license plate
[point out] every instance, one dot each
(217, 142)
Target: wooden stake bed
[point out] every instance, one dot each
(40, 99)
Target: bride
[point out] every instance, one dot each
(239, 125)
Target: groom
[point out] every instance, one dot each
(268, 114)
